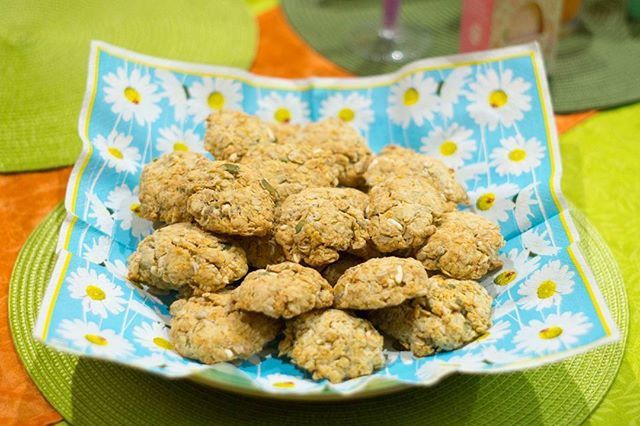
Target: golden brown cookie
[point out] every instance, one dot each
(464, 246)
(332, 344)
(183, 255)
(450, 315)
(230, 134)
(335, 270)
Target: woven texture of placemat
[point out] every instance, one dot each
(93, 392)
(598, 66)
(44, 48)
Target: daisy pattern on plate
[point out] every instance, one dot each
(173, 367)
(406, 357)
(154, 336)
(286, 383)
(497, 331)
(132, 95)
(470, 172)
(546, 286)
(414, 98)
(550, 335)
(98, 251)
(125, 205)
(451, 90)
(493, 355)
(537, 242)
(213, 94)
(494, 202)
(353, 109)
(146, 310)
(524, 201)
(172, 139)
(503, 309)
(498, 99)
(99, 212)
(117, 268)
(175, 92)
(453, 145)
(97, 293)
(517, 155)
(87, 337)
(468, 361)
(115, 150)
(518, 264)
(288, 108)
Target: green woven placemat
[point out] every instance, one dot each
(44, 48)
(597, 67)
(92, 392)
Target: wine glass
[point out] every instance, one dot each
(390, 42)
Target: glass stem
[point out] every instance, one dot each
(390, 13)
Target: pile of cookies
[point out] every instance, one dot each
(302, 230)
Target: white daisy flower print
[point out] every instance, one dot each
(492, 355)
(115, 150)
(516, 155)
(353, 109)
(117, 268)
(452, 145)
(174, 368)
(552, 334)
(152, 313)
(175, 91)
(524, 201)
(497, 331)
(451, 89)
(87, 337)
(430, 371)
(498, 99)
(99, 212)
(503, 309)
(285, 383)
(406, 357)
(518, 264)
(414, 98)
(125, 205)
(537, 242)
(286, 109)
(98, 251)
(546, 286)
(173, 139)
(97, 293)
(494, 202)
(470, 172)
(154, 336)
(213, 94)
(467, 362)
(132, 95)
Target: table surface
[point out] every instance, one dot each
(28, 197)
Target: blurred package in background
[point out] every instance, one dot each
(487, 24)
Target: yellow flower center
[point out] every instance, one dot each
(96, 339)
(546, 289)
(95, 292)
(284, 385)
(162, 343)
(115, 152)
(484, 336)
(550, 333)
(517, 155)
(346, 114)
(498, 98)
(448, 148)
(505, 277)
(180, 146)
(215, 100)
(486, 201)
(411, 97)
(282, 115)
(135, 208)
(132, 95)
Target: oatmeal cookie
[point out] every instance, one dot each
(284, 290)
(394, 161)
(379, 283)
(464, 246)
(287, 169)
(209, 329)
(332, 344)
(402, 212)
(335, 270)
(315, 224)
(165, 186)
(182, 255)
(450, 315)
(262, 251)
(229, 199)
(349, 149)
(230, 134)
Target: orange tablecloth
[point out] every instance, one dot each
(26, 198)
